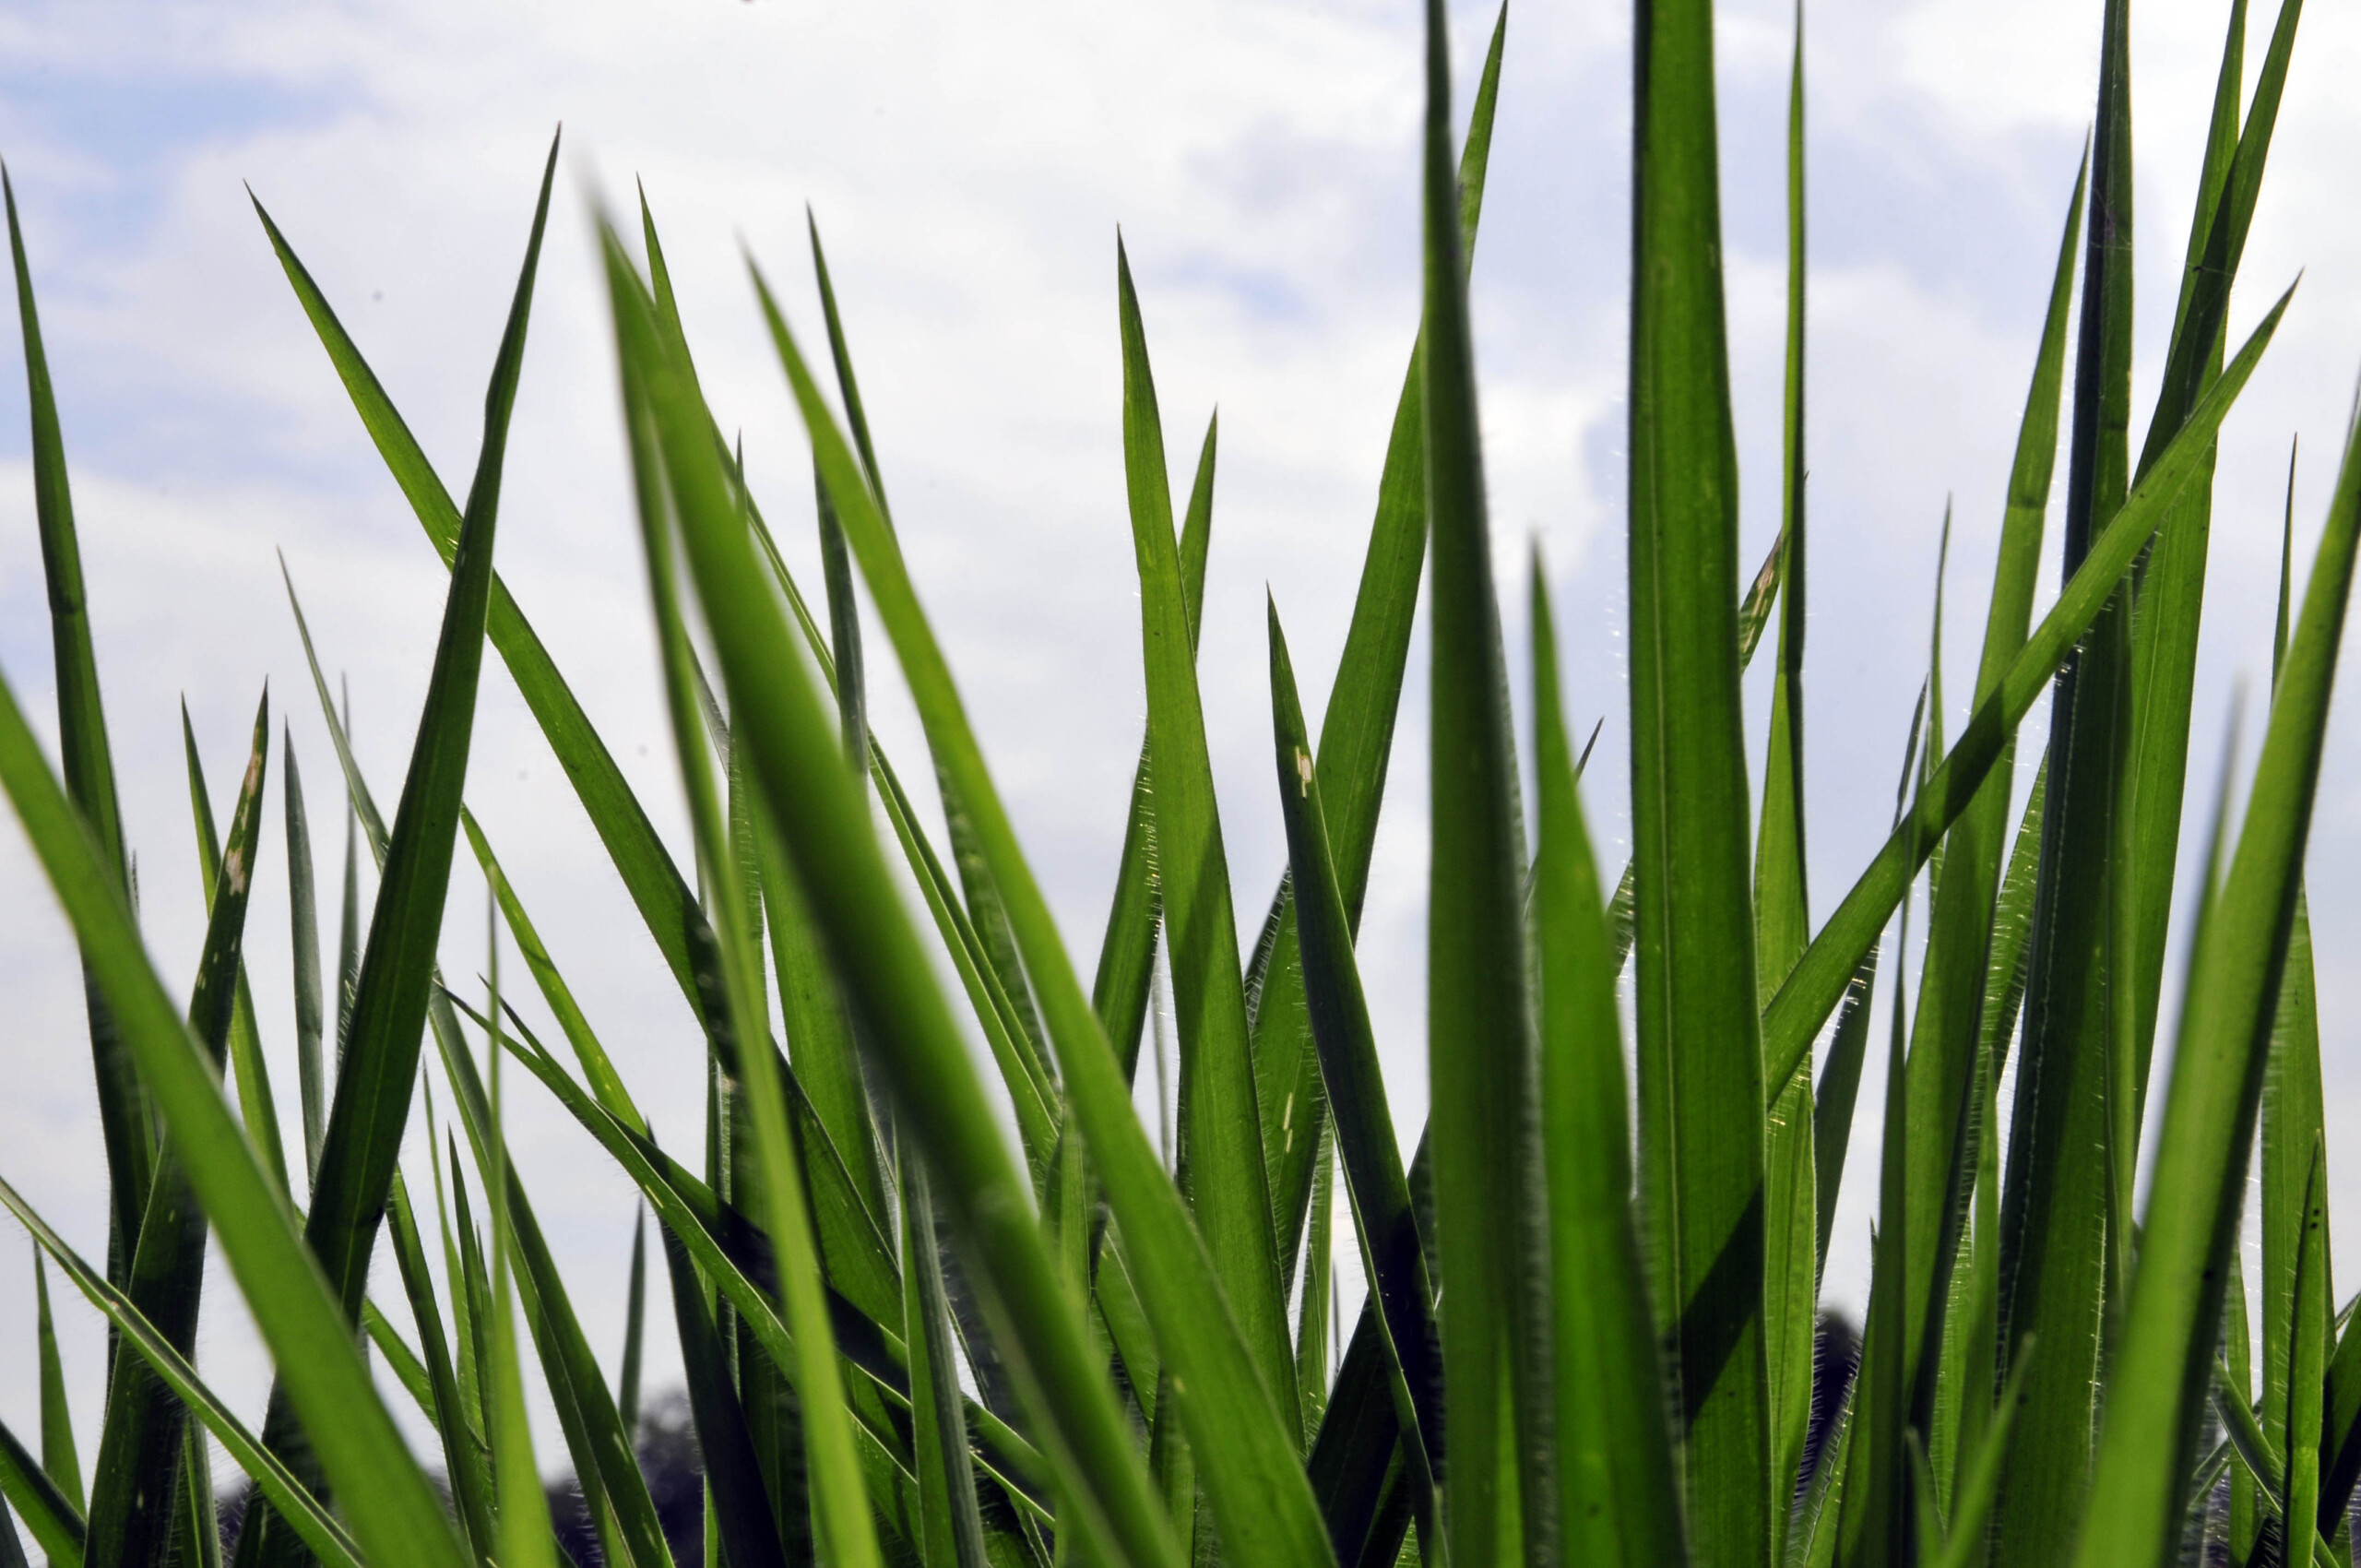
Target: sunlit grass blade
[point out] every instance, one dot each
(59, 1458)
(1812, 990)
(1244, 1452)
(170, 1365)
(1374, 1179)
(385, 1499)
(1980, 1482)
(86, 762)
(2198, 1186)
(1222, 1168)
(1618, 1499)
(54, 1519)
(257, 1106)
(1356, 740)
(138, 1471)
(1700, 1065)
(302, 905)
(2260, 1455)
(466, 1459)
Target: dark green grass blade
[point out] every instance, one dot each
(54, 1520)
(59, 1458)
(953, 1528)
(2308, 1358)
(1701, 1077)
(379, 1057)
(311, 1071)
(2071, 1137)
(12, 1548)
(1222, 1168)
(466, 1459)
(136, 1476)
(1834, 1099)
(1315, 1304)
(738, 1506)
(1374, 1179)
(1946, 1124)
(170, 1365)
(2260, 1455)
(1357, 728)
(257, 1106)
(1619, 1500)
(1243, 1450)
(1782, 902)
(348, 947)
(2159, 1379)
(635, 1329)
(2243, 1523)
(1811, 992)
(400, 1359)
(391, 1510)
(1482, 1056)
(654, 882)
(87, 764)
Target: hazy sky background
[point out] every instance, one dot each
(970, 167)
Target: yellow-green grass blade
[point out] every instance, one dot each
(2198, 1188)
(1947, 1129)
(657, 890)
(1701, 1063)
(1818, 982)
(1980, 1482)
(138, 1471)
(12, 1548)
(385, 1499)
(1483, 1061)
(1222, 1168)
(59, 1459)
(86, 758)
(2243, 1526)
(1357, 728)
(466, 1459)
(681, 482)
(257, 1106)
(635, 1329)
(1374, 1180)
(1782, 901)
(1244, 1452)
(303, 901)
(1618, 1499)
(738, 1506)
(170, 1365)
(54, 1520)
(400, 1359)
(2071, 1138)
(2259, 1455)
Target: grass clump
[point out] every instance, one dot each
(1589, 1338)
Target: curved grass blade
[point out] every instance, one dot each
(302, 913)
(1818, 982)
(87, 761)
(1244, 1451)
(391, 1510)
(1619, 1500)
(59, 1459)
(1354, 1085)
(1700, 1065)
(1222, 1162)
(320, 1532)
(2159, 1379)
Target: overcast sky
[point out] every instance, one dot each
(970, 167)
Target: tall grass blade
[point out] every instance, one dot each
(303, 914)
(2308, 1354)
(467, 1459)
(635, 1329)
(1620, 1499)
(951, 1527)
(1244, 1451)
(736, 1504)
(2157, 1387)
(59, 1459)
(87, 760)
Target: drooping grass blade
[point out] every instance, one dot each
(1619, 1499)
(2198, 1187)
(87, 764)
(1244, 1452)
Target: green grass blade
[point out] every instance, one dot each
(1316, 1302)
(2201, 1155)
(1482, 1056)
(635, 1329)
(1618, 1499)
(392, 1510)
(522, 1530)
(1701, 1066)
(1812, 990)
(1357, 728)
(400, 1359)
(311, 1071)
(88, 762)
(1222, 1168)
(1834, 1099)
(1980, 1484)
(465, 1459)
(170, 1364)
(59, 1459)
(1244, 1452)
(953, 1528)
(738, 1506)
(2259, 1454)
(2307, 1355)
(1374, 1180)
(54, 1519)
(257, 1106)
